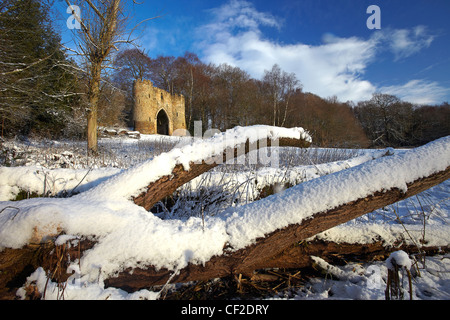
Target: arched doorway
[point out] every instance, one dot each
(162, 123)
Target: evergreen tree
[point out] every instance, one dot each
(34, 86)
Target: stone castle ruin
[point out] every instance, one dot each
(156, 111)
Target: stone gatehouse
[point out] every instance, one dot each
(156, 111)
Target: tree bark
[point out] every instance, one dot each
(17, 264)
(94, 93)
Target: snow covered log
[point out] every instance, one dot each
(185, 162)
(134, 249)
(159, 177)
(299, 254)
(166, 185)
(272, 250)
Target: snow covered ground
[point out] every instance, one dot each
(129, 236)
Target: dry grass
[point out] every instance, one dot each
(262, 284)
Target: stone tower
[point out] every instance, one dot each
(156, 111)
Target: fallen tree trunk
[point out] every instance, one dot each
(166, 186)
(299, 254)
(163, 174)
(18, 264)
(268, 251)
(281, 249)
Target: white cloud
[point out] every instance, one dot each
(418, 91)
(241, 14)
(151, 39)
(404, 42)
(333, 68)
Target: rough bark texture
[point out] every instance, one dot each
(94, 93)
(299, 254)
(165, 186)
(17, 264)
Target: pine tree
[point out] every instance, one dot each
(34, 86)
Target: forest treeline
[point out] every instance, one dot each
(43, 93)
(224, 96)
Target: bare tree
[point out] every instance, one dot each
(164, 72)
(133, 64)
(102, 29)
(280, 85)
(189, 72)
(130, 65)
(229, 85)
(387, 120)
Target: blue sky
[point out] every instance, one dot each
(326, 43)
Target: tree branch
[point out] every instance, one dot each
(27, 67)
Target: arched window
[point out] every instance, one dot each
(162, 123)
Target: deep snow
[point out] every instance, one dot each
(128, 235)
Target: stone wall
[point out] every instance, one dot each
(150, 101)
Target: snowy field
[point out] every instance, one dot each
(182, 232)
